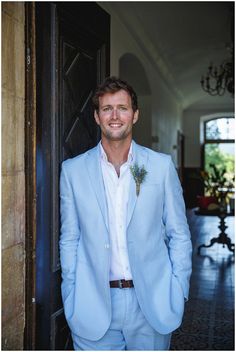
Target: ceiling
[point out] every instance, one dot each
(181, 39)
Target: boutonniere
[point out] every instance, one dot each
(139, 174)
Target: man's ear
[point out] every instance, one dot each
(96, 117)
(136, 116)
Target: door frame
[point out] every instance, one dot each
(30, 176)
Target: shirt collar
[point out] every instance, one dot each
(104, 156)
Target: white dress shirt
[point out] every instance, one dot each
(117, 194)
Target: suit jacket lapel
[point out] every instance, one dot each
(141, 158)
(95, 175)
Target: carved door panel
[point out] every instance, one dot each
(72, 56)
(79, 131)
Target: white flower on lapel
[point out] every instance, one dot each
(139, 174)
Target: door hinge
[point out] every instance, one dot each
(28, 57)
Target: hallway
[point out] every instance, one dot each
(209, 314)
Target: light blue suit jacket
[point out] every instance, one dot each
(158, 241)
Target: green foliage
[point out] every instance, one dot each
(217, 183)
(224, 161)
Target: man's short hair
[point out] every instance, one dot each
(113, 85)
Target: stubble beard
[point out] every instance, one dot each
(119, 137)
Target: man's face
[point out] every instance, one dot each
(116, 116)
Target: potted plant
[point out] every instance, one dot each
(218, 186)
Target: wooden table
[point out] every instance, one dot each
(222, 237)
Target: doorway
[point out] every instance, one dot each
(72, 57)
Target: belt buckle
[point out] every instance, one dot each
(120, 284)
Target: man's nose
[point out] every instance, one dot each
(115, 113)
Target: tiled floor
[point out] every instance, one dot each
(208, 322)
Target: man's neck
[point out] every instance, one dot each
(117, 152)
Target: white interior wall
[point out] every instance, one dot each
(142, 132)
(165, 109)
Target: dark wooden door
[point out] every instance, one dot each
(180, 155)
(72, 56)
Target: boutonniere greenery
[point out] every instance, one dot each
(139, 174)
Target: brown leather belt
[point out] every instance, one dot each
(121, 283)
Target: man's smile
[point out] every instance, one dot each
(115, 125)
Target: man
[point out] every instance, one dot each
(125, 244)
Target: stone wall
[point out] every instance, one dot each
(13, 175)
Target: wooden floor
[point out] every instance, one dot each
(208, 322)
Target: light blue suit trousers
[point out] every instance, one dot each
(129, 329)
(158, 244)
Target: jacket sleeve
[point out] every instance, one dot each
(177, 230)
(70, 234)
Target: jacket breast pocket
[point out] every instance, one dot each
(150, 202)
(151, 191)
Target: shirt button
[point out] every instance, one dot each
(107, 246)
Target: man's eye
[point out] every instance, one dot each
(107, 108)
(123, 108)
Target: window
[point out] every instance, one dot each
(219, 144)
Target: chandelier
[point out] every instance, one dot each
(220, 79)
